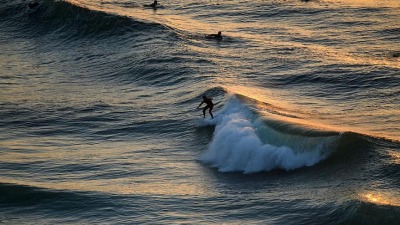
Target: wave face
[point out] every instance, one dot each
(237, 144)
(99, 125)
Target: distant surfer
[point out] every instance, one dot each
(152, 5)
(209, 105)
(217, 36)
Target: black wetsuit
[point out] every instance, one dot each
(154, 4)
(214, 36)
(209, 105)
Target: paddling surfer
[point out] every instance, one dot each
(217, 36)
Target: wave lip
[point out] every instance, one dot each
(236, 146)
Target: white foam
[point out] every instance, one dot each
(236, 146)
(205, 122)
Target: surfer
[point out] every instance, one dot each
(215, 36)
(153, 5)
(209, 105)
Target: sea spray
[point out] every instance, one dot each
(236, 145)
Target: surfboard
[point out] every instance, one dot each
(201, 122)
(213, 36)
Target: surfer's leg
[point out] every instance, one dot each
(211, 112)
(204, 111)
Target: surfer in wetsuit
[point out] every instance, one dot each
(209, 105)
(215, 36)
(153, 5)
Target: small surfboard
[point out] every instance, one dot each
(200, 122)
(213, 36)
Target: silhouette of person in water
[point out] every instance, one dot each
(153, 5)
(215, 36)
(209, 105)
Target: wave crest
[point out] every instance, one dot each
(238, 147)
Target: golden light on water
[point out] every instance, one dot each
(275, 105)
(367, 3)
(123, 186)
(99, 155)
(194, 29)
(381, 198)
(395, 157)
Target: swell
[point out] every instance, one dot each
(96, 122)
(31, 197)
(69, 20)
(296, 129)
(345, 79)
(244, 141)
(360, 212)
(116, 48)
(253, 106)
(22, 202)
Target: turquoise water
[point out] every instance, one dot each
(99, 125)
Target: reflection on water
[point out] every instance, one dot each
(382, 198)
(121, 186)
(395, 156)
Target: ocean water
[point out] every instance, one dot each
(99, 121)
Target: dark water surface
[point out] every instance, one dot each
(99, 125)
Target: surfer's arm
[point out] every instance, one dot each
(200, 104)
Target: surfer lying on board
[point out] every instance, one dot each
(215, 36)
(209, 105)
